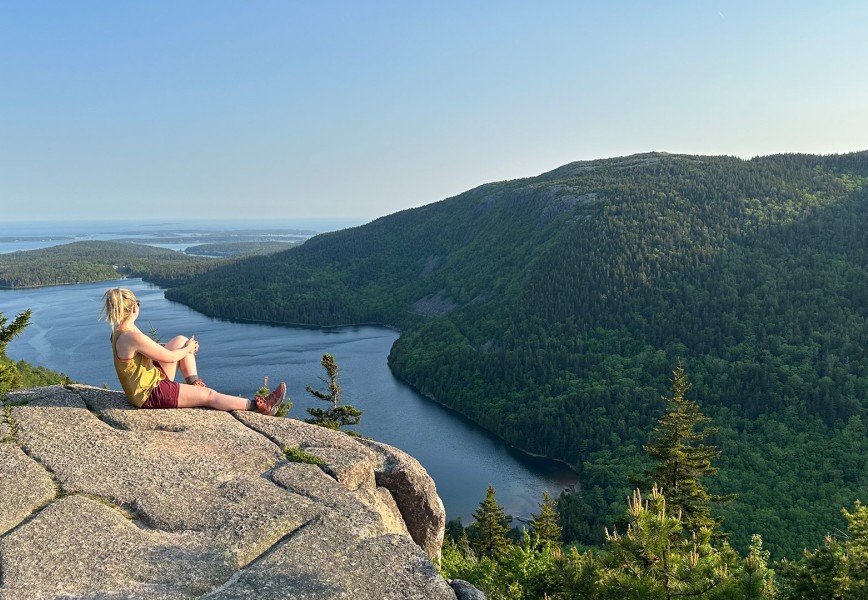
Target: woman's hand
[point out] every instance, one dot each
(192, 345)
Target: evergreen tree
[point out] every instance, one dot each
(488, 534)
(9, 374)
(454, 529)
(579, 574)
(755, 578)
(682, 458)
(856, 547)
(836, 570)
(654, 559)
(339, 414)
(546, 525)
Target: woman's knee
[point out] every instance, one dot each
(176, 342)
(212, 396)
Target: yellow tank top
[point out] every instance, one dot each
(138, 375)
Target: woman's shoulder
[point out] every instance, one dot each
(127, 336)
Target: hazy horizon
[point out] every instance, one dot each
(343, 111)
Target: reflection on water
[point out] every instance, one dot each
(65, 335)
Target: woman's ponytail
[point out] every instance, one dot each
(117, 305)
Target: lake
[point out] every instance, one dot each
(463, 459)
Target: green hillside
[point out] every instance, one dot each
(235, 249)
(552, 310)
(80, 262)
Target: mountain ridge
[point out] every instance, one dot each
(558, 305)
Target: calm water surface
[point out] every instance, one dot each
(66, 336)
(33, 235)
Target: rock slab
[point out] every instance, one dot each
(102, 500)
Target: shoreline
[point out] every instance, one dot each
(572, 468)
(526, 453)
(427, 395)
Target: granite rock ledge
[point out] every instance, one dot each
(101, 500)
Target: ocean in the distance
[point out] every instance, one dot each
(173, 235)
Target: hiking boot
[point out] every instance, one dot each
(199, 383)
(270, 403)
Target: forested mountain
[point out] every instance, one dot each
(552, 311)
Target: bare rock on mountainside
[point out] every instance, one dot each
(101, 500)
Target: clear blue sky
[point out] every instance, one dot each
(353, 110)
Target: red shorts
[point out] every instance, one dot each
(165, 395)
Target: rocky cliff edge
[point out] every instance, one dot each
(102, 500)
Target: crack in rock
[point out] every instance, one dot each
(185, 503)
(256, 561)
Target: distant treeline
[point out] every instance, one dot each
(80, 262)
(236, 249)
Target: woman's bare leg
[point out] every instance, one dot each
(187, 364)
(192, 395)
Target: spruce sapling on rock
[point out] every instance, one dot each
(338, 415)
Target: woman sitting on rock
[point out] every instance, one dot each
(147, 369)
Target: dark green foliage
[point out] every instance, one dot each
(80, 262)
(10, 376)
(300, 456)
(655, 557)
(488, 534)
(682, 459)
(8, 332)
(483, 554)
(546, 525)
(549, 310)
(335, 417)
(454, 529)
(236, 249)
(21, 374)
(36, 376)
(339, 415)
(838, 569)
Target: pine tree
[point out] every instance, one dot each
(755, 578)
(9, 375)
(489, 532)
(682, 458)
(546, 525)
(654, 559)
(837, 569)
(338, 415)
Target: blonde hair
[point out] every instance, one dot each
(117, 305)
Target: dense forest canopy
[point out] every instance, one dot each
(80, 262)
(551, 310)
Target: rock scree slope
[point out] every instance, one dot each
(102, 500)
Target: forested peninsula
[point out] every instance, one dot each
(83, 262)
(552, 311)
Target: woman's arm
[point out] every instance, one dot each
(136, 341)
